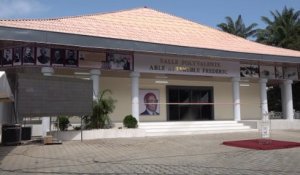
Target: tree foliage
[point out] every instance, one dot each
(238, 27)
(283, 30)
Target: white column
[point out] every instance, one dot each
(288, 95)
(236, 98)
(95, 76)
(135, 94)
(263, 97)
(46, 71)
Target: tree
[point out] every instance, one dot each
(238, 27)
(102, 107)
(283, 30)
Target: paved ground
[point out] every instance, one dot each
(197, 154)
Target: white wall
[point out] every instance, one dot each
(223, 110)
(223, 100)
(250, 102)
(121, 89)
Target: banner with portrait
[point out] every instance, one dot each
(290, 73)
(28, 55)
(278, 72)
(119, 61)
(267, 72)
(17, 56)
(249, 70)
(91, 59)
(149, 102)
(7, 56)
(71, 58)
(43, 56)
(57, 57)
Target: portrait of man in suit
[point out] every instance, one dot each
(150, 104)
(57, 56)
(7, 57)
(17, 59)
(28, 55)
(43, 55)
(71, 57)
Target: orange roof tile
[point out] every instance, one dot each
(148, 25)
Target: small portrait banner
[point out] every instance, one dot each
(28, 55)
(7, 57)
(43, 56)
(91, 59)
(17, 56)
(119, 61)
(71, 58)
(290, 73)
(278, 72)
(249, 70)
(267, 72)
(57, 57)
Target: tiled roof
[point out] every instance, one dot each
(148, 25)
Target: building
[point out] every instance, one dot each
(195, 72)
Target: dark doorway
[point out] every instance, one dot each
(185, 99)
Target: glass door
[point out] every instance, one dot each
(189, 103)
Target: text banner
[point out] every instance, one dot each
(186, 66)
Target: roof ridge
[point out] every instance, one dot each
(73, 16)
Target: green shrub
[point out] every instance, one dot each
(63, 123)
(130, 122)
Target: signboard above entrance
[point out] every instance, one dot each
(186, 66)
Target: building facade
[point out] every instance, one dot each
(158, 66)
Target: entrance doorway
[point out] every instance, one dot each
(185, 107)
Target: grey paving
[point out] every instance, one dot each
(195, 154)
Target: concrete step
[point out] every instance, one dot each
(196, 129)
(186, 123)
(198, 132)
(192, 127)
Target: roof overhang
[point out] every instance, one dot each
(47, 37)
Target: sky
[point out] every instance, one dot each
(207, 12)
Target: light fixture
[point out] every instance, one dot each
(161, 81)
(81, 73)
(245, 84)
(85, 78)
